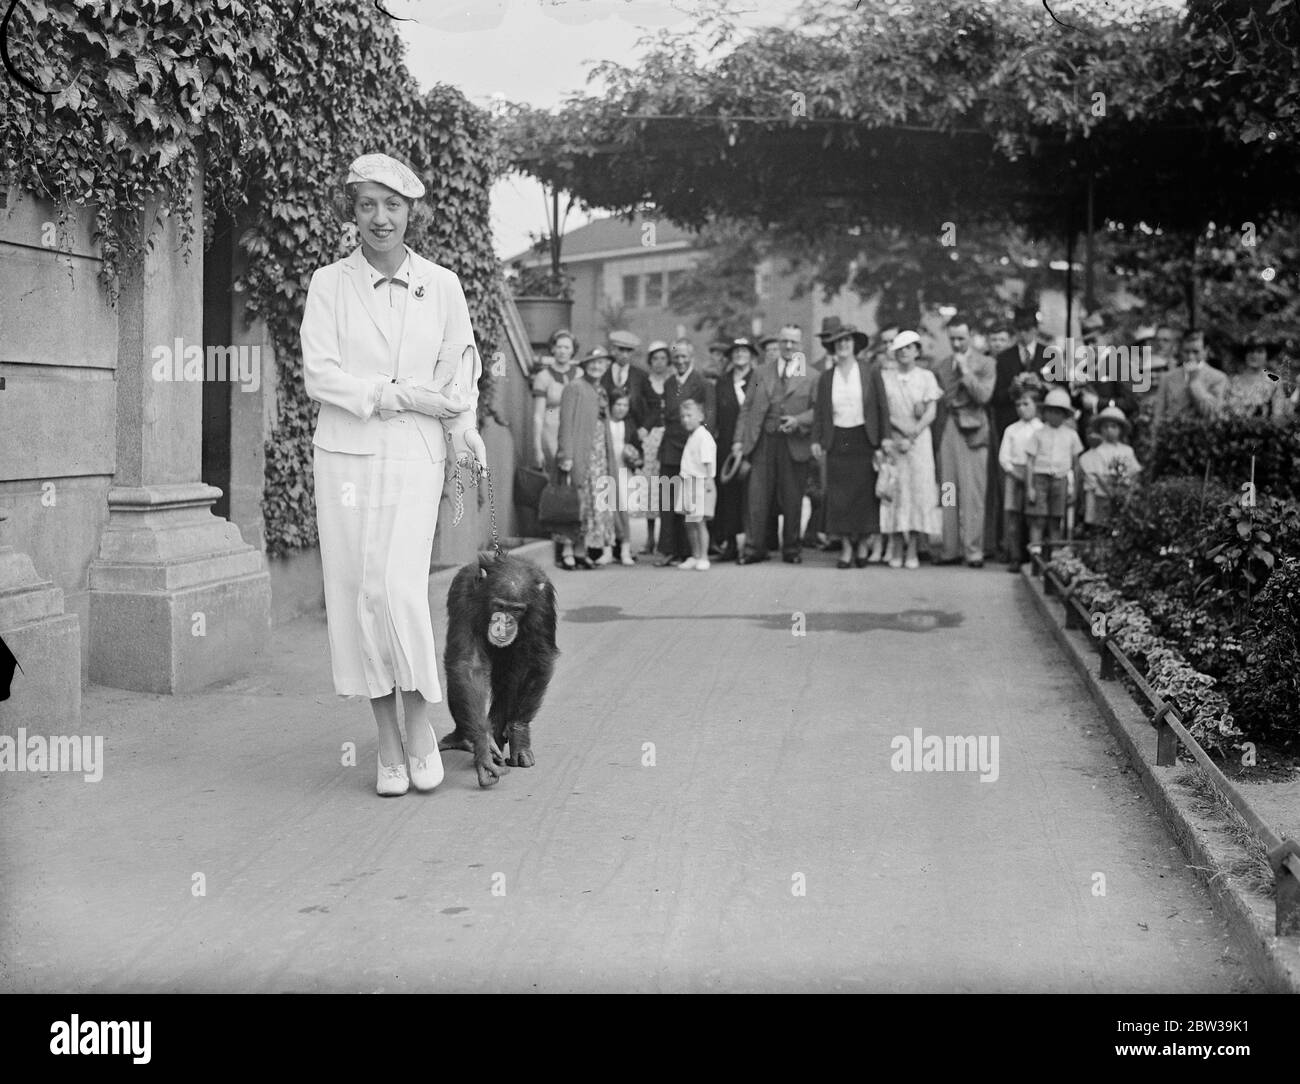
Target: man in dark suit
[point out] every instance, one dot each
(623, 374)
(686, 383)
(734, 389)
(1026, 355)
(776, 424)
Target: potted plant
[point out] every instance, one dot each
(544, 298)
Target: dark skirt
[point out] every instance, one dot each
(851, 504)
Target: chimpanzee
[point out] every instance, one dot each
(500, 651)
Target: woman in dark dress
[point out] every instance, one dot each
(652, 424)
(850, 419)
(734, 387)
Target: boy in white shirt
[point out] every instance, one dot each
(697, 495)
(1012, 456)
(1050, 458)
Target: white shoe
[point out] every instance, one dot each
(427, 773)
(912, 562)
(688, 565)
(626, 555)
(605, 559)
(702, 565)
(391, 782)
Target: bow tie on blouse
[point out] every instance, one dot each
(395, 281)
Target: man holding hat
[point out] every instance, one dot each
(623, 374)
(775, 430)
(734, 388)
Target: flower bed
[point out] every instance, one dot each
(1203, 708)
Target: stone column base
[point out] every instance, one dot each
(178, 600)
(46, 694)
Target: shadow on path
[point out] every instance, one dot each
(823, 621)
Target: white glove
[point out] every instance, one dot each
(425, 400)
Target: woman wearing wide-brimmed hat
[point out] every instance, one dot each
(850, 421)
(584, 454)
(911, 510)
(734, 387)
(1258, 391)
(389, 354)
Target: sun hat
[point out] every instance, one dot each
(904, 338)
(1060, 399)
(384, 170)
(1111, 413)
(860, 338)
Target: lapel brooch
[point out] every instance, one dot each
(419, 291)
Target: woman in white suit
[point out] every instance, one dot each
(389, 354)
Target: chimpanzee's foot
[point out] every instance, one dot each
(457, 739)
(521, 752)
(521, 759)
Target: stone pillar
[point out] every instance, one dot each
(178, 599)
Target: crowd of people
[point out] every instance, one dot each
(906, 448)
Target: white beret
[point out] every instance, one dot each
(382, 169)
(902, 339)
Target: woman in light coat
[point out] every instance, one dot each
(389, 353)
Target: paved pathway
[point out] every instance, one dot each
(772, 768)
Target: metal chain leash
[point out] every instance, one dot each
(460, 500)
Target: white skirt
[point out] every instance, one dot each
(377, 515)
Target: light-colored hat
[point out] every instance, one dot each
(384, 170)
(1145, 332)
(658, 344)
(1112, 413)
(904, 338)
(734, 465)
(1059, 398)
(623, 338)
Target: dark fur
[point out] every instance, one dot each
(511, 679)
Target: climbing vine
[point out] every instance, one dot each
(276, 99)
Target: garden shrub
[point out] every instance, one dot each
(1183, 446)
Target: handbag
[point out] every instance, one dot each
(529, 483)
(559, 509)
(886, 477)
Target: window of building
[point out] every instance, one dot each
(654, 291)
(631, 290)
(674, 284)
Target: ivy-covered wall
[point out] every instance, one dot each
(124, 101)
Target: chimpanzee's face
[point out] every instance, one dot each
(512, 587)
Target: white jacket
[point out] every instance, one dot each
(347, 357)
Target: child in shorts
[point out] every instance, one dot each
(697, 495)
(1107, 469)
(1012, 456)
(1049, 465)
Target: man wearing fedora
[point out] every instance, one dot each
(734, 388)
(1025, 358)
(966, 378)
(775, 436)
(622, 373)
